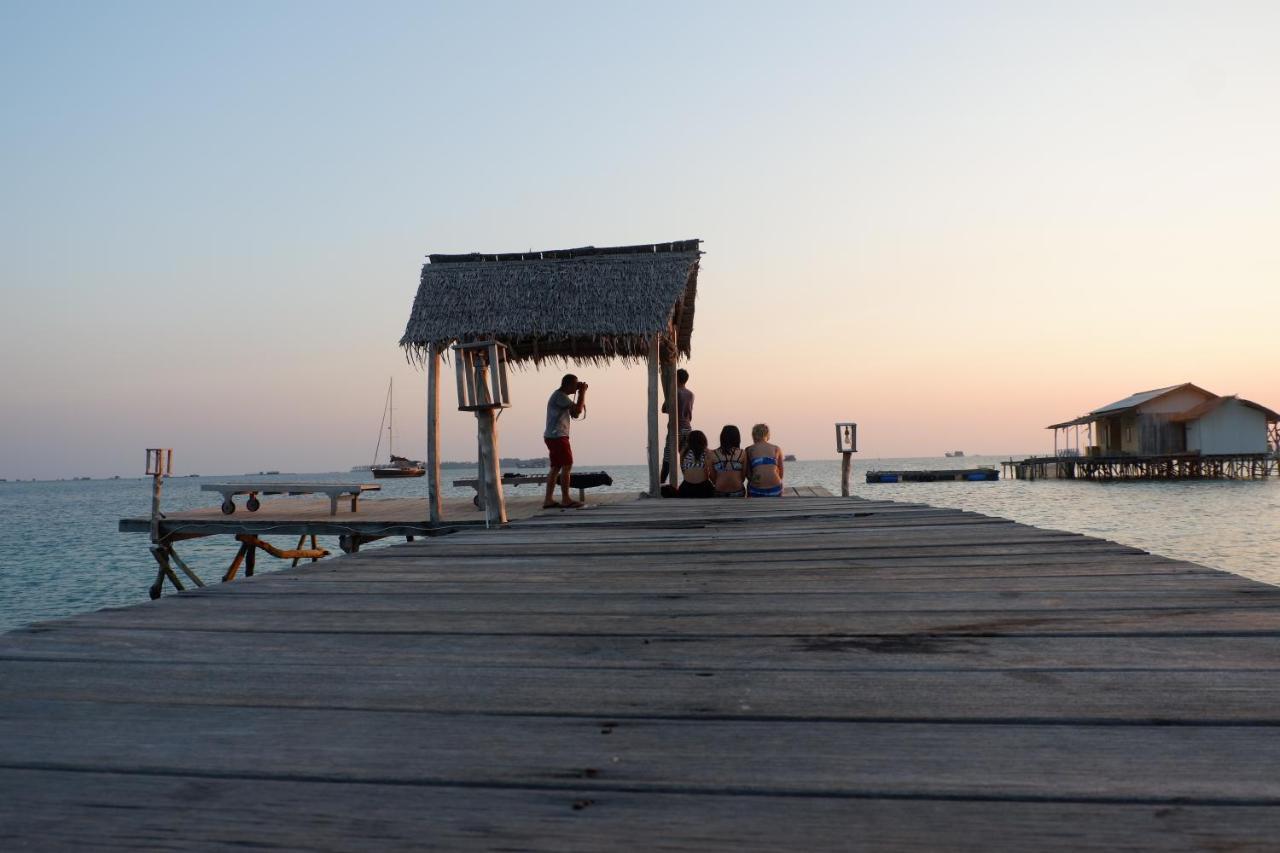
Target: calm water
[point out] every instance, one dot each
(62, 553)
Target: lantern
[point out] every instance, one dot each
(846, 438)
(482, 376)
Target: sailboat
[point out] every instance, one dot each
(399, 466)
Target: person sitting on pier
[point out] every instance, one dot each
(693, 466)
(764, 465)
(561, 408)
(726, 465)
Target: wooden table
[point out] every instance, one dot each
(333, 490)
(581, 481)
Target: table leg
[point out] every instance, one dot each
(333, 504)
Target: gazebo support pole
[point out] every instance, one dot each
(655, 465)
(673, 423)
(433, 433)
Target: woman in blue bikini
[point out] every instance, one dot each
(764, 465)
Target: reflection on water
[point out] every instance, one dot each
(64, 556)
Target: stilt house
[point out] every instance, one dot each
(1174, 420)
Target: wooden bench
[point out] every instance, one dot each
(580, 481)
(333, 490)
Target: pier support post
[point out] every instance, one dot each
(846, 467)
(434, 500)
(655, 463)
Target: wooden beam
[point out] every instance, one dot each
(655, 462)
(434, 499)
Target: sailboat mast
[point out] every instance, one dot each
(391, 418)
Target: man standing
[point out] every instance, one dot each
(561, 408)
(684, 408)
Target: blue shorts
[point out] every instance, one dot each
(771, 492)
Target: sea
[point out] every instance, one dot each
(62, 553)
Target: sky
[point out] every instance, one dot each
(953, 223)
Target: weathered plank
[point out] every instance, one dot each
(811, 654)
(56, 810)
(1059, 695)
(1179, 764)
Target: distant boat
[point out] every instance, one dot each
(790, 457)
(955, 454)
(398, 466)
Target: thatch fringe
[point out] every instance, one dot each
(576, 305)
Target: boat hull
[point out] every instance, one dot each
(385, 473)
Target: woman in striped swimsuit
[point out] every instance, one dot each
(726, 465)
(764, 465)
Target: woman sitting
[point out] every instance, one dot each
(726, 467)
(764, 465)
(693, 468)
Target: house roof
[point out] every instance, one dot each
(579, 305)
(1209, 405)
(1135, 400)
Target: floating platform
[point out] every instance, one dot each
(970, 475)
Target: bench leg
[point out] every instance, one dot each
(355, 500)
(333, 504)
(161, 556)
(234, 568)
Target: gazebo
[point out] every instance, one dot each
(586, 305)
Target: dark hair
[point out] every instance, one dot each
(730, 437)
(568, 382)
(697, 442)
(682, 376)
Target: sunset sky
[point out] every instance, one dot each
(953, 223)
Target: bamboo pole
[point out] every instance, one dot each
(655, 464)
(434, 500)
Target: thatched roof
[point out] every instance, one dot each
(576, 304)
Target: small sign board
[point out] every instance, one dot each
(846, 438)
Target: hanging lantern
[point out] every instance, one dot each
(846, 438)
(482, 376)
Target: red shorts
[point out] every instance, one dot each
(561, 452)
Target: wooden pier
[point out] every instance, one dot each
(804, 673)
(1180, 466)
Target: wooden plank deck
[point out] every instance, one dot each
(810, 673)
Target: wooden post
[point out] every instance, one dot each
(655, 461)
(495, 504)
(673, 423)
(434, 500)
(846, 465)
